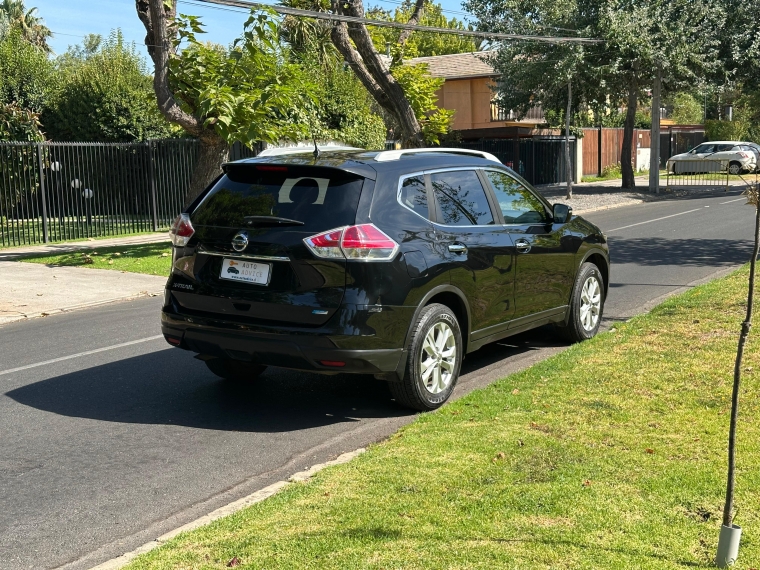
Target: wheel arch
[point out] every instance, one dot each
(601, 260)
(454, 299)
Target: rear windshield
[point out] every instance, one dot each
(321, 198)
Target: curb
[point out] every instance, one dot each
(24, 316)
(235, 506)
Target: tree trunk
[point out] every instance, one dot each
(213, 152)
(156, 16)
(626, 154)
(374, 75)
(568, 162)
(728, 509)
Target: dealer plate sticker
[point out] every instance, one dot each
(245, 271)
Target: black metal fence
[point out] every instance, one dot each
(65, 191)
(540, 160)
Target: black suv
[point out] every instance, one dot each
(392, 263)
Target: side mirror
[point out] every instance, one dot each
(562, 213)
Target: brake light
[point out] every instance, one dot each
(266, 168)
(364, 242)
(744, 155)
(182, 230)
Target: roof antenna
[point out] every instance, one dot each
(316, 152)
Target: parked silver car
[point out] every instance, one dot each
(715, 156)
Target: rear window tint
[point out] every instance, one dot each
(461, 199)
(320, 198)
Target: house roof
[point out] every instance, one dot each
(456, 66)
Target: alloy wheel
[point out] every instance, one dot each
(591, 303)
(438, 358)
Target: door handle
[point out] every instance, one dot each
(458, 248)
(522, 245)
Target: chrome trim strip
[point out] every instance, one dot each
(235, 254)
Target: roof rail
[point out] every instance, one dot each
(387, 155)
(279, 151)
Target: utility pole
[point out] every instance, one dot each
(654, 144)
(568, 161)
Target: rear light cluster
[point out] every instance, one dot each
(362, 243)
(182, 230)
(744, 155)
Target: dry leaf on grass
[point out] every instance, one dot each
(234, 562)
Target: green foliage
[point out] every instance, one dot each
(19, 124)
(14, 14)
(748, 109)
(612, 171)
(249, 92)
(343, 110)
(420, 44)
(420, 89)
(686, 109)
(679, 37)
(26, 73)
(105, 95)
(726, 130)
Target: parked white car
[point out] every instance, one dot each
(715, 156)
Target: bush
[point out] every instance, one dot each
(19, 125)
(106, 96)
(26, 73)
(726, 130)
(612, 171)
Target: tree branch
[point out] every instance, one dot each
(419, 8)
(154, 15)
(342, 42)
(402, 110)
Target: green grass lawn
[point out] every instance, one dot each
(153, 258)
(610, 455)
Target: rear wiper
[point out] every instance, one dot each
(271, 221)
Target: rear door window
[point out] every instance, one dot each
(460, 199)
(321, 198)
(413, 195)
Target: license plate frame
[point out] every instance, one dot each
(246, 271)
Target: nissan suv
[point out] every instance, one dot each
(390, 263)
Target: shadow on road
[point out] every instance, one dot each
(170, 387)
(680, 252)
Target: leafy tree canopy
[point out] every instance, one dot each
(14, 14)
(420, 44)
(247, 92)
(104, 94)
(420, 88)
(26, 73)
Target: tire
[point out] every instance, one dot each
(235, 370)
(431, 372)
(735, 168)
(585, 310)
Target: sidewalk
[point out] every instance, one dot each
(12, 253)
(30, 290)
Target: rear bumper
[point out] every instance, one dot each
(297, 350)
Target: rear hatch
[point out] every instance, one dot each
(251, 261)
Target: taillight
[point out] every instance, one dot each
(361, 243)
(744, 155)
(182, 230)
(368, 243)
(326, 244)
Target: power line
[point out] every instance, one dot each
(398, 25)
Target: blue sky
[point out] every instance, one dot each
(72, 19)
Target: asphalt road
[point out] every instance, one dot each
(103, 452)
